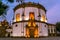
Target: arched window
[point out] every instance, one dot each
(16, 25)
(18, 17)
(43, 18)
(31, 15)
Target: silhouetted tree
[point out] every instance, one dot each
(58, 26)
(11, 1)
(3, 9)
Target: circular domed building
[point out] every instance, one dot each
(30, 21)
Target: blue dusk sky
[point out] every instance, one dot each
(52, 7)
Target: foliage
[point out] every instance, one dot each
(3, 8)
(4, 24)
(11, 1)
(58, 26)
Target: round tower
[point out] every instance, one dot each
(28, 20)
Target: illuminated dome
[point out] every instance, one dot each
(30, 21)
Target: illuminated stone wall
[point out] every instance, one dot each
(28, 17)
(26, 12)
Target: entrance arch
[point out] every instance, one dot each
(31, 31)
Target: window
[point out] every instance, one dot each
(16, 25)
(18, 17)
(45, 25)
(43, 18)
(31, 15)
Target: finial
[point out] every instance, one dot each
(20, 1)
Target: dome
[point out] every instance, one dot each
(29, 4)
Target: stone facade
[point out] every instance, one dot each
(31, 21)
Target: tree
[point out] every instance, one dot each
(11, 1)
(4, 24)
(58, 26)
(3, 8)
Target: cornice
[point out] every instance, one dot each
(29, 4)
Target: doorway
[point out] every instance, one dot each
(31, 33)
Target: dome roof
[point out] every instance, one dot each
(29, 4)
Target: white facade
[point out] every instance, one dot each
(19, 28)
(26, 11)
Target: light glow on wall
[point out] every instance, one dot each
(31, 15)
(34, 24)
(26, 18)
(41, 19)
(14, 20)
(36, 33)
(45, 20)
(18, 17)
(27, 33)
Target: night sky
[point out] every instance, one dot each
(52, 7)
